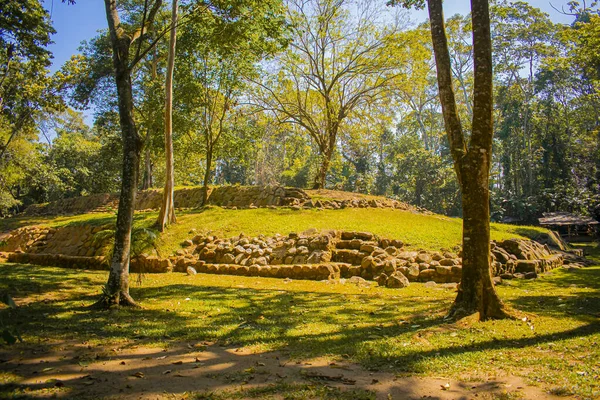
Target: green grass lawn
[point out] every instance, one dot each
(430, 232)
(402, 331)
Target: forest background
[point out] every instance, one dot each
(254, 108)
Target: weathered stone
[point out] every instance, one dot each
(228, 258)
(391, 250)
(381, 279)
(423, 258)
(389, 266)
(443, 270)
(413, 272)
(190, 271)
(397, 280)
(448, 262)
(367, 248)
(530, 275)
(427, 274)
(524, 266)
(367, 262)
(357, 280)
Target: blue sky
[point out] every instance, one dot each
(75, 23)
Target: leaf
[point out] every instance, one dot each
(138, 375)
(8, 337)
(6, 299)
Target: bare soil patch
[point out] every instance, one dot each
(185, 370)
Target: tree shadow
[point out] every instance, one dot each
(290, 322)
(530, 233)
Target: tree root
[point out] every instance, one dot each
(120, 299)
(464, 309)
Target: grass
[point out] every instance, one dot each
(401, 331)
(420, 231)
(290, 392)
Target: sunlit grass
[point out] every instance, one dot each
(420, 231)
(401, 331)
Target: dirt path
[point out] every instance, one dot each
(79, 370)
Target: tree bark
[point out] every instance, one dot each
(327, 149)
(167, 209)
(476, 292)
(116, 291)
(319, 182)
(147, 178)
(209, 156)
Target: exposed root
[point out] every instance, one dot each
(121, 299)
(463, 309)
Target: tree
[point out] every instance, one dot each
(167, 208)
(122, 39)
(26, 88)
(219, 53)
(472, 158)
(338, 61)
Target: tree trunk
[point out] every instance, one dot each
(327, 149)
(117, 288)
(476, 292)
(319, 182)
(472, 166)
(209, 156)
(147, 178)
(167, 209)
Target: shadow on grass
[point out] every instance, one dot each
(292, 322)
(528, 232)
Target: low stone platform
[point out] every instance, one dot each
(309, 255)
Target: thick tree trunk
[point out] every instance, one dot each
(167, 209)
(116, 291)
(326, 153)
(477, 292)
(319, 182)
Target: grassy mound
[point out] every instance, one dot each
(417, 230)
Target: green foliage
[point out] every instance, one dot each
(9, 336)
(24, 31)
(142, 239)
(423, 178)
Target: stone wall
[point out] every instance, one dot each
(224, 196)
(70, 240)
(229, 196)
(357, 254)
(309, 255)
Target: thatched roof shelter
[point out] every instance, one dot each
(565, 219)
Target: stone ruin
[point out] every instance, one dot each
(342, 254)
(233, 197)
(313, 255)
